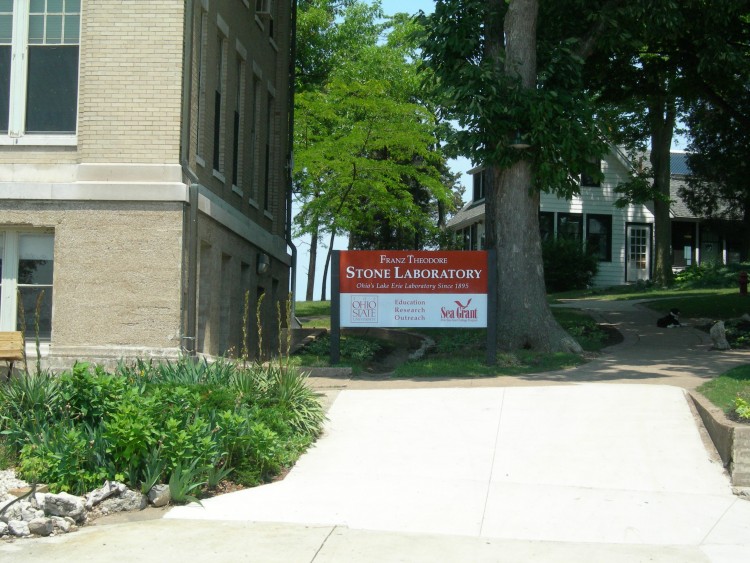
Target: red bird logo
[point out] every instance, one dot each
(463, 306)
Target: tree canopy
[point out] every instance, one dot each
(368, 162)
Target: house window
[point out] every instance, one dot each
(478, 186)
(546, 225)
(591, 176)
(599, 236)
(39, 50)
(569, 225)
(26, 268)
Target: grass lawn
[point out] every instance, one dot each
(718, 305)
(724, 390)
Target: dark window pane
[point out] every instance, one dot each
(569, 226)
(236, 149)
(217, 130)
(37, 311)
(52, 97)
(4, 87)
(599, 236)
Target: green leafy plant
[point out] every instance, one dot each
(183, 481)
(567, 265)
(742, 408)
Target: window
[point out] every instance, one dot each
(547, 225)
(269, 140)
(591, 176)
(478, 186)
(252, 148)
(201, 81)
(599, 236)
(219, 102)
(39, 50)
(26, 268)
(238, 125)
(569, 225)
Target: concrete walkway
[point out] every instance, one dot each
(490, 470)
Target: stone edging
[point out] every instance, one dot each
(732, 440)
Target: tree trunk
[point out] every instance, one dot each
(524, 317)
(662, 115)
(309, 293)
(325, 268)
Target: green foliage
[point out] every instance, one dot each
(193, 423)
(713, 275)
(742, 408)
(368, 157)
(352, 349)
(183, 481)
(567, 265)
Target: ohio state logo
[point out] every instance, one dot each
(460, 313)
(364, 309)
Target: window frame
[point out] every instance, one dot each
(607, 221)
(10, 254)
(20, 45)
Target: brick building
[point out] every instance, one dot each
(143, 173)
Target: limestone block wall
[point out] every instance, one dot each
(117, 273)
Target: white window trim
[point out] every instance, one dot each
(10, 255)
(16, 134)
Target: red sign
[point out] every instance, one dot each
(410, 271)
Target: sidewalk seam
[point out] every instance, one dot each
(492, 465)
(323, 544)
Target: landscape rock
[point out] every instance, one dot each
(718, 335)
(65, 504)
(8, 512)
(3, 529)
(41, 526)
(127, 500)
(159, 495)
(19, 528)
(109, 489)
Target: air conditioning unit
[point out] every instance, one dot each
(262, 7)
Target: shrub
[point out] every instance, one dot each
(712, 275)
(146, 423)
(567, 265)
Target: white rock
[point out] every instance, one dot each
(19, 528)
(65, 504)
(718, 335)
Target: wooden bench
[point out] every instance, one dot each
(11, 348)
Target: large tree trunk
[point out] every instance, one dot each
(662, 115)
(524, 317)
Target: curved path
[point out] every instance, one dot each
(547, 468)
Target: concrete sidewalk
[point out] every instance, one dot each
(478, 471)
(559, 473)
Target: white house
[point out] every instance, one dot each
(623, 238)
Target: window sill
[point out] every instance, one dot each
(268, 215)
(246, 3)
(236, 190)
(253, 203)
(219, 176)
(260, 23)
(273, 44)
(200, 162)
(40, 140)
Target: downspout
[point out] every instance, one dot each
(290, 159)
(190, 211)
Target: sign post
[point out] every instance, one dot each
(413, 289)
